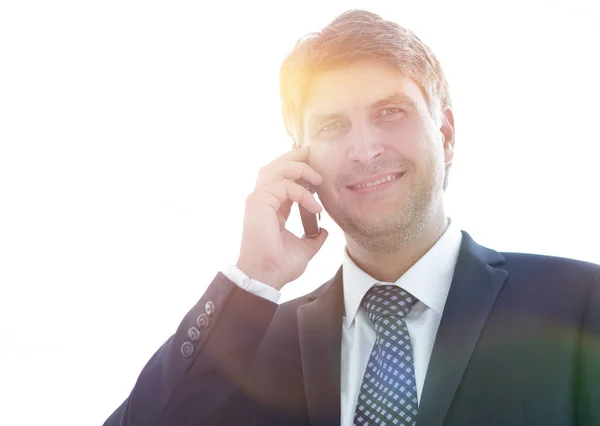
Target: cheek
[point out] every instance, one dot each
(326, 169)
(327, 161)
(427, 141)
(407, 136)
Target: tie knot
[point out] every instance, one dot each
(387, 301)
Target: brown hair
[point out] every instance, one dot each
(354, 35)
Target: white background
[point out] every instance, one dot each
(132, 131)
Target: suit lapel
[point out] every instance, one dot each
(474, 288)
(320, 333)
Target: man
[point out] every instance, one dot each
(420, 325)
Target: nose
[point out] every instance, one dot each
(365, 145)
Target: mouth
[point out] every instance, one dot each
(376, 183)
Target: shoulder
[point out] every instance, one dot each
(550, 265)
(552, 280)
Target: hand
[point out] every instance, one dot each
(270, 253)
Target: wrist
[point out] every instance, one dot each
(260, 273)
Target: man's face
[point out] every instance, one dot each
(367, 121)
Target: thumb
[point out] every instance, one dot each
(314, 244)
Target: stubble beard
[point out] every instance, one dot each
(391, 230)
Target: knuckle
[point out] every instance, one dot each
(300, 192)
(262, 173)
(251, 198)
(293, 186)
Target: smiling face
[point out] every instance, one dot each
(368, 124)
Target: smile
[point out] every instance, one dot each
(379, 184)
(374, 183)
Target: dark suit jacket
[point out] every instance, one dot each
(518, 344)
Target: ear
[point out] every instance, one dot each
(447, 130)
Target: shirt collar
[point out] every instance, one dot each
(428, 279)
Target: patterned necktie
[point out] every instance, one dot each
(388, 394)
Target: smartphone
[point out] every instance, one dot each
(310, 221)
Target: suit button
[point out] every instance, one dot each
(194, 334)
(187, 349)
(209, 308)
(202, 321)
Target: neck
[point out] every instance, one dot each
(389, 267)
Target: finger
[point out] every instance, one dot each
(275, 194)
(313, 245)
(300, 154)
(284, 212)
(288, 191)
(292, 170)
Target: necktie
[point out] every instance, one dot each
(388, 394)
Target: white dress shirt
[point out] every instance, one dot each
(428, 280)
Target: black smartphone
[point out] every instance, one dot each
(310, 221)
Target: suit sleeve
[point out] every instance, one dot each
(192, 375)
(588, 395)
(253, 286)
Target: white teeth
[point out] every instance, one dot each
(377, 182)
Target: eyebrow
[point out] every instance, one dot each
(396, 98)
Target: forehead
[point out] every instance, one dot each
(357, 85)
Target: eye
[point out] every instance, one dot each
(386, 112)
(331, 126)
